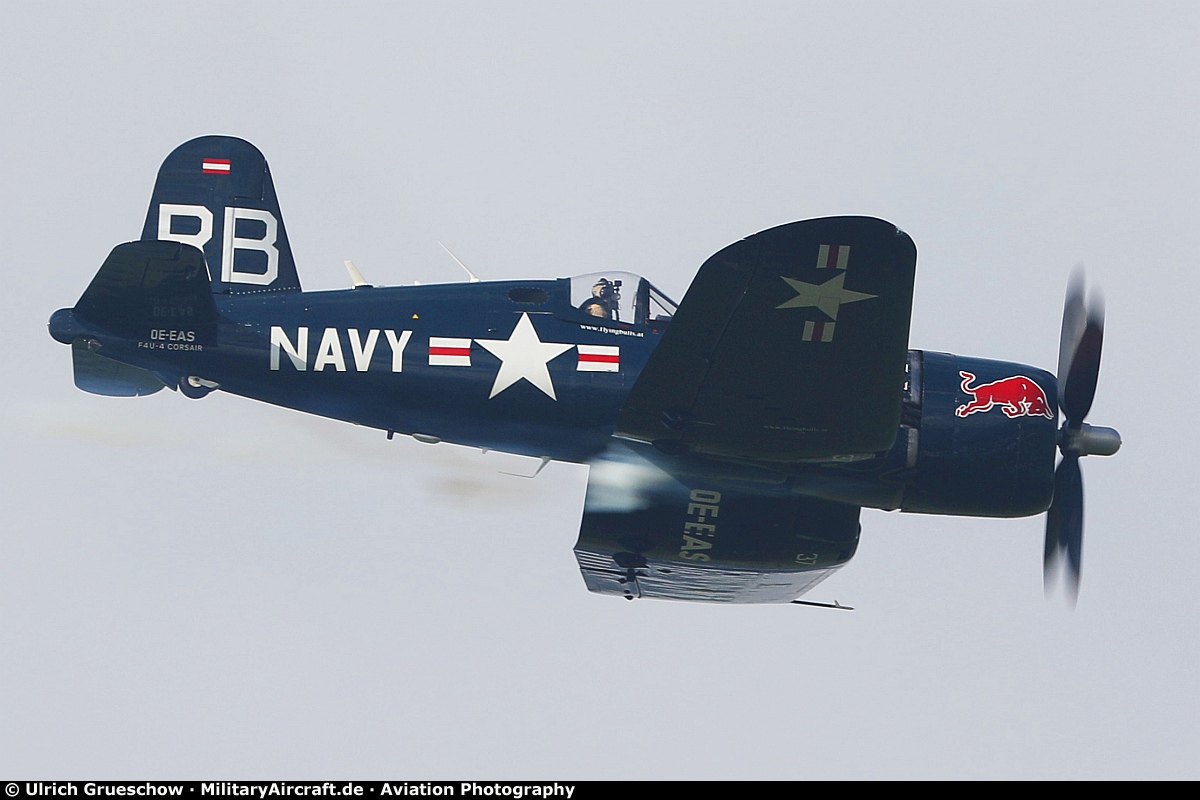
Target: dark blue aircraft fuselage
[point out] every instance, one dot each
(415, 360)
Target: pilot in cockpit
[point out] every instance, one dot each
(605, 301)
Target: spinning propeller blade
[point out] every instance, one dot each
(1078, 371)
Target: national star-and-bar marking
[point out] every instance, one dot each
(818, 331)
(216, 166)
(833, 255)
(445, 351)
(598, 358)
(826, 297)
(524, 356)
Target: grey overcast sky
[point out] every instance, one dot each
(222, 589)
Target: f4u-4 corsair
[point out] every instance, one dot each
(733, 438)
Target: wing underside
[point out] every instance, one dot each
(649, 533)
(676, 581)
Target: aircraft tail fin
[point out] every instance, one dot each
(215, 193)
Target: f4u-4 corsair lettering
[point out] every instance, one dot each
(330, 352)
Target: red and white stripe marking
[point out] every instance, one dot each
(215, 166)
(599, 358)
(818, 331)
(833, 255)
(448, 352)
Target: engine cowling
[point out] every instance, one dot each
(986, 440)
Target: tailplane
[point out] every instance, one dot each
(215, 193)
(99, 375)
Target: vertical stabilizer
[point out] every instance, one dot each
(215, 193)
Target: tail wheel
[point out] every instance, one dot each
(195, 388)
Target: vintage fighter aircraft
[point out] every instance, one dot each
(733, 437)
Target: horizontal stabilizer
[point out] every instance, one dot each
(789, 346)
(99, 375)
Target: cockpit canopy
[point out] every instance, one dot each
(620, 297)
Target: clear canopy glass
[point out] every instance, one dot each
(620, 297)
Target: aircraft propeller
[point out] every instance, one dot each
(1078, 370)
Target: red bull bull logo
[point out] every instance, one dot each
(1017, 396)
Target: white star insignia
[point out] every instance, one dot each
(524, 356)
(827, 297)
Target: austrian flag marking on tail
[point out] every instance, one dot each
(598, 358)
(216, 166)
(449, 352)
(833, 255)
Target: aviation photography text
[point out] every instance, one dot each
(265, 789)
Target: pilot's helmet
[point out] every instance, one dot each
(606, 289)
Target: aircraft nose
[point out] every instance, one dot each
(1096, 440)
(63, 326)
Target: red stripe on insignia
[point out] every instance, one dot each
(449, 351)
(598, 358)
(217, 165)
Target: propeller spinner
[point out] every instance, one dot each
(1078, 370)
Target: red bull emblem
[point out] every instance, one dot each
(1017, 396)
